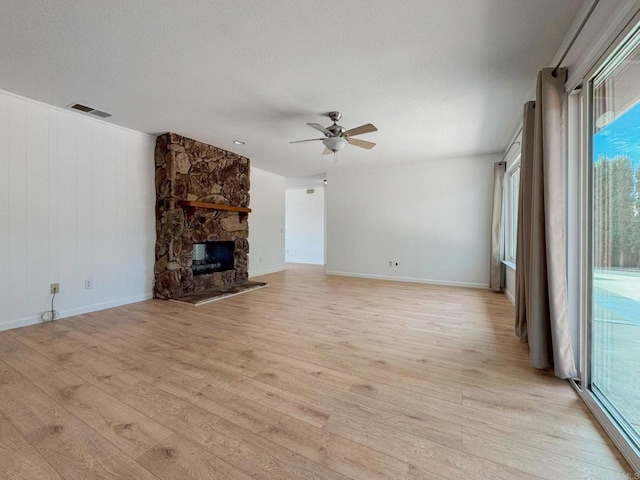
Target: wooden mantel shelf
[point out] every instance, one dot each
(190, 206)
(213, 206)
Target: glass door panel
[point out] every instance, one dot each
(615, 234)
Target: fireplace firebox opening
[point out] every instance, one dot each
(210, 257)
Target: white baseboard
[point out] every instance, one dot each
(267, 272)
(35, 319)
(20, 322)
(304, 262)
(448, 283)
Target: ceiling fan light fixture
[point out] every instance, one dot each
(335, 144)
(336, 137)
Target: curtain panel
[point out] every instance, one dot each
(496, 278)
(541, 280)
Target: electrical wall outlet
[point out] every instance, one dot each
(55, 288)
(88, 284)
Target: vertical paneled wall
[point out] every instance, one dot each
(76, 204)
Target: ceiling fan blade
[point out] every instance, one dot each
(360, 130)
(327, 152)
(361, 143)
(317, 126)
(310, 140)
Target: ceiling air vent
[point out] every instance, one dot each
(89, 110)
(310, 191)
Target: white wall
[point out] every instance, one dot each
(266, 223)
(304, 226)
(76, 203)
(433, 219)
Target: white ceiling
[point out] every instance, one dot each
(439, 78)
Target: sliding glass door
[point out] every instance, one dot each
(613, 276)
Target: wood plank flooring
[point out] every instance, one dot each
(314, 377)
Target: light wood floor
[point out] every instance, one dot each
(313, 377)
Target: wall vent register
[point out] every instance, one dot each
(89, 110)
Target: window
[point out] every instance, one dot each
(510, 209)
(611, 298)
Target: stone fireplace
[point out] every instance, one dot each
(202, 200)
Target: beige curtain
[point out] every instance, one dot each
(523, 235)
(496, 279)
(541, 280)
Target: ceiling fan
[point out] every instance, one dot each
(336, 137)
